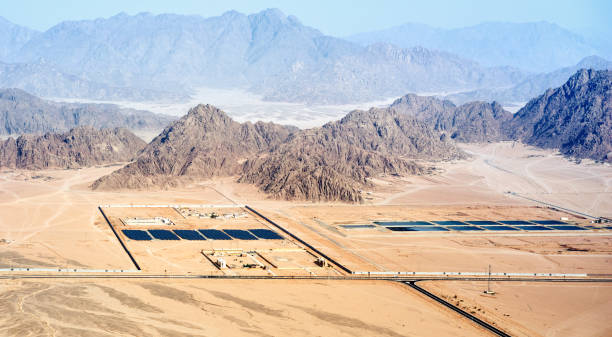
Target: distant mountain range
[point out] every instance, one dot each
(534, 46)
(21, 112)
(533, 85)
(147, 57)
(45, 80)
(267, 53)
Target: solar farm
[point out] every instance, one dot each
(218, 240)
(387, 239)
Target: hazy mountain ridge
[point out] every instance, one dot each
(80, 147)
(268, 52)
(45, 80)
(13, 37)
(533, 85)
(533, 46)
(21, 112)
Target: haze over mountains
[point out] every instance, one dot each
(533, 46)
(146, 57)
(21, 112)
(533, 85)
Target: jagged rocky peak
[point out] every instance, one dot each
(470, 122)
(204, 143)
(332, 162)
(575, 118)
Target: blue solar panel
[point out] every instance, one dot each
(465, 228)
(163, 234)
(188, 234)
(400, 229)
(499, 228)
(568, 228)
(417, 229)
(534, 228)
(240, 234)
(483, 223)
(266, 234)
(403, 223)
(138, 235)
(515, 222)
(548, 222)
(214, 234)
(450, 223)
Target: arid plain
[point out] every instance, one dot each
(50, 219)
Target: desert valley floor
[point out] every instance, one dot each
(51, 220)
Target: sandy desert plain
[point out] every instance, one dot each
(50, 219)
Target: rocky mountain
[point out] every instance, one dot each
(269, 53)
(533, 46)
(80, 147)
(575, 118)
(21, 112)
(468, 123)
(45, 80)
(328, 163)
(203, 144)
(335, 161)
(533, 85)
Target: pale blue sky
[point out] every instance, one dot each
(334, 17)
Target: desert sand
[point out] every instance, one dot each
(222, 308)
(535, 309)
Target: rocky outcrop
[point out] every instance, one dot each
(204, 143)
(80, 147)
(329, 163)
(475, 122)
(334, 162)
(21, 112)
(575, 118)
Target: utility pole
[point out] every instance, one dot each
(489, 291)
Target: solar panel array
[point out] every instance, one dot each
(240, 234)
(138, 235)
(214, 234)
(201, 234)
(163, 234)
(189, 234)
(478, 225)
(266, 234)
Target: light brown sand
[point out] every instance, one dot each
(535, 309)
(222, 308)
